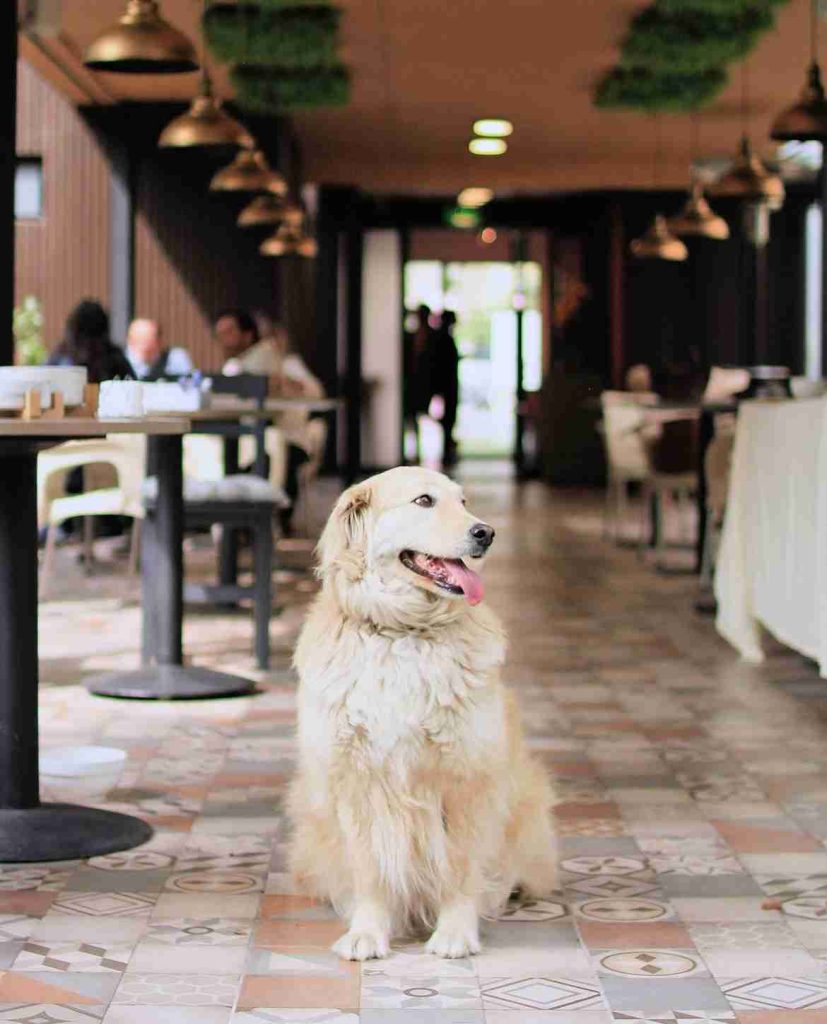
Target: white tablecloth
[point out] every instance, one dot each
(771, 567)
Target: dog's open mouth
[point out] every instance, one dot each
(449, 574)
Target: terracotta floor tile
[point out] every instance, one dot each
(602, 935)
(298, 934)
(755, 839)
(300, 992)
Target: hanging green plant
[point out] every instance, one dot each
(289, 37)
(264, 90)
(641, 89)
(692, 41)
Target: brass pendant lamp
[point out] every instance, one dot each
(749, 179)
(289, 241)
(658, 242)
(249, 172)
(141, 42)
(807, 119)
(204, 124)
(269, 209)
(696, 219)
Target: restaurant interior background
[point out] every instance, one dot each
(103, 211)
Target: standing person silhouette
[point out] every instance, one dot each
(445, 381)
(417, 384)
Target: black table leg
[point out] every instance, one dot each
(163, 675)
(228, 545)
(30, 830)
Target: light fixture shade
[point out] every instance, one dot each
(475, 196)
(658, 243)
(289, 241)
(806, 119)
(248, 172)
(748, 179)
(697, 220)
(204, 124)
(270, 209)
(487, 147)
(493, 127)
(141, 43)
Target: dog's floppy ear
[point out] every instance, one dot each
(342, 544)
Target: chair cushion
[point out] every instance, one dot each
(241, 487)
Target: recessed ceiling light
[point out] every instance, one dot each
(475, 197)
(487, 147)
(488, 236)
(493, 127)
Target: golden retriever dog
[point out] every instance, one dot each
(416, 803)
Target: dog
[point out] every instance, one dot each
(415, 804)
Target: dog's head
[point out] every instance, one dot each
(409, 532)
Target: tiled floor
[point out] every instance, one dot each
(691, 788)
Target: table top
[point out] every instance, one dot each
(245, 409)
(79, 426)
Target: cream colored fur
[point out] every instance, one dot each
(415, 803)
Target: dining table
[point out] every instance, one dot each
(771, 570)
(31, 830)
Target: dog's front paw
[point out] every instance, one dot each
(453, 943)
(360, 944)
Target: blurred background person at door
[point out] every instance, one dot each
(444, 381)
(417, 372)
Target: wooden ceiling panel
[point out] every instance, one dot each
(423, 71)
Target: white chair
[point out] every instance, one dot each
(627, 459)
(673, 458)
(316, 434)
(113, 469)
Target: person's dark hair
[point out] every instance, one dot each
(448, 318)
(86, 337)
(242, 317)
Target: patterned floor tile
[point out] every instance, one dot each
(387, 991)
(177, 990)
(539, 993)
(776, 993)
(187, 931)
(154, 1014)
(104, 904)
(72, 956)
(744, 935)
(300, 991)
(34, 878)
(270, 1015)
(624, 910)
(650, 963)
(49, 1013)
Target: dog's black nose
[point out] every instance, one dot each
(482, 534)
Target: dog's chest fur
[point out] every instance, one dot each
(407, 698)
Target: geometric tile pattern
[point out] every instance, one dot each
(540, 994)
(777, 993)
(71, 956)
(690, 788)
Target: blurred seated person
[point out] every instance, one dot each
(149, 358)
(247, 350)
(86, 342)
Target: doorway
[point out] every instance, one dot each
(496, 303)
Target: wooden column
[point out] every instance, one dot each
(121, 239)
(8, 160)
(353, 348)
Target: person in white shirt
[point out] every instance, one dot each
(259, 345)
(147, 355)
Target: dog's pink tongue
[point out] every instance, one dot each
(466, 579)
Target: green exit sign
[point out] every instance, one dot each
(463, 217)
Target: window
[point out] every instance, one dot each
(28, 188)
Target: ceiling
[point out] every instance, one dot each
(424, 71)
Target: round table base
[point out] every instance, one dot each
(169, 682)
(66, 832)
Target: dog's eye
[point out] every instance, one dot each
(424, 501)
